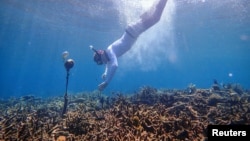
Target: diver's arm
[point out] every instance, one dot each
(109, 72)
(105, 72)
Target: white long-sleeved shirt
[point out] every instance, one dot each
(115, 50)
(123, 44)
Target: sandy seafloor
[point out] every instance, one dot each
(147, 114)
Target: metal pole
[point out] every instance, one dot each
(66, 95)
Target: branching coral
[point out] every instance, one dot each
(149, 114)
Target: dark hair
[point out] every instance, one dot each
(98, 58)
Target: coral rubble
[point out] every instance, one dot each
(148, 114)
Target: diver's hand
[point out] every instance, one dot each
(102, 86)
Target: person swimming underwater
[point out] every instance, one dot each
(126, 41)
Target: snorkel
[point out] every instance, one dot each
(92, 48)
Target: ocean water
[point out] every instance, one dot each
(196, 41)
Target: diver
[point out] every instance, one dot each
(125, 42)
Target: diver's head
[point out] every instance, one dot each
(98, 57)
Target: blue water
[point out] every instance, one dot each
(196, 41)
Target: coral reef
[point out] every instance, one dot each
(147, 114)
